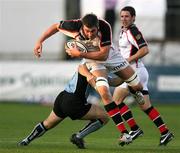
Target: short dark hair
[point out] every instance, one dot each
(90, 20)
(130, 9)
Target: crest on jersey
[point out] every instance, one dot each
(138, 37)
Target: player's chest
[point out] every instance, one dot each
(124, 41)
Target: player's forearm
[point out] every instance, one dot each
(140, 54)
(96, 55)
(83, 70)
(48, 33)
(100, 55)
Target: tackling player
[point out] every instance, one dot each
(72, 102)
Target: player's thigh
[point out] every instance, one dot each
(97, 69)
(100, 73)
(144, 77)
(52, 120)
(95, 112)
(114, 80)
(126, 73)
(102, 85)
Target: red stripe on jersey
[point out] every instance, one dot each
(132, 46)
(129, 43)
(131, 52)
(134, 38)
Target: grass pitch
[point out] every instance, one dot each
(17, 120)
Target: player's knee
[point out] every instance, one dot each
(47, 124)
(102, 82)
(103, 88)
(138, 87)
(147, 103)
(134, 89)
(104, 119)
(134, 82)
(106, 96)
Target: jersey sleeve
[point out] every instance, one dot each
(136, 38)
(106, 33)
(70, 25)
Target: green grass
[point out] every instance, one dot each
(17, 120)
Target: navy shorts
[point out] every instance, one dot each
(70, 105)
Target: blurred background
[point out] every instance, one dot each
(23, 78)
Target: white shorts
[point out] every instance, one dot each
(114, 63)
(143, 76)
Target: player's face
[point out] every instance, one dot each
(126, 18)
(90, 33)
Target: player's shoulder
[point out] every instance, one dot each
(74, 24)
(103, 23)
(133, 29)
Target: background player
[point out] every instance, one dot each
(133, 47)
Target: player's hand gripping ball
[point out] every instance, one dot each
(78, 44)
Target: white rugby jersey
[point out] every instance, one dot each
(73, 28)
(130, 41)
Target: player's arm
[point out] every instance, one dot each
(139, 54)
(48, 33)
(83, 70)
(101, 54)
(136, 38)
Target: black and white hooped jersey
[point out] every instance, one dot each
(130, 41)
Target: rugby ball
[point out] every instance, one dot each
(80, 45)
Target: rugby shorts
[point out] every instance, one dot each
(70, 105)
(143, 76)
(112, 65)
